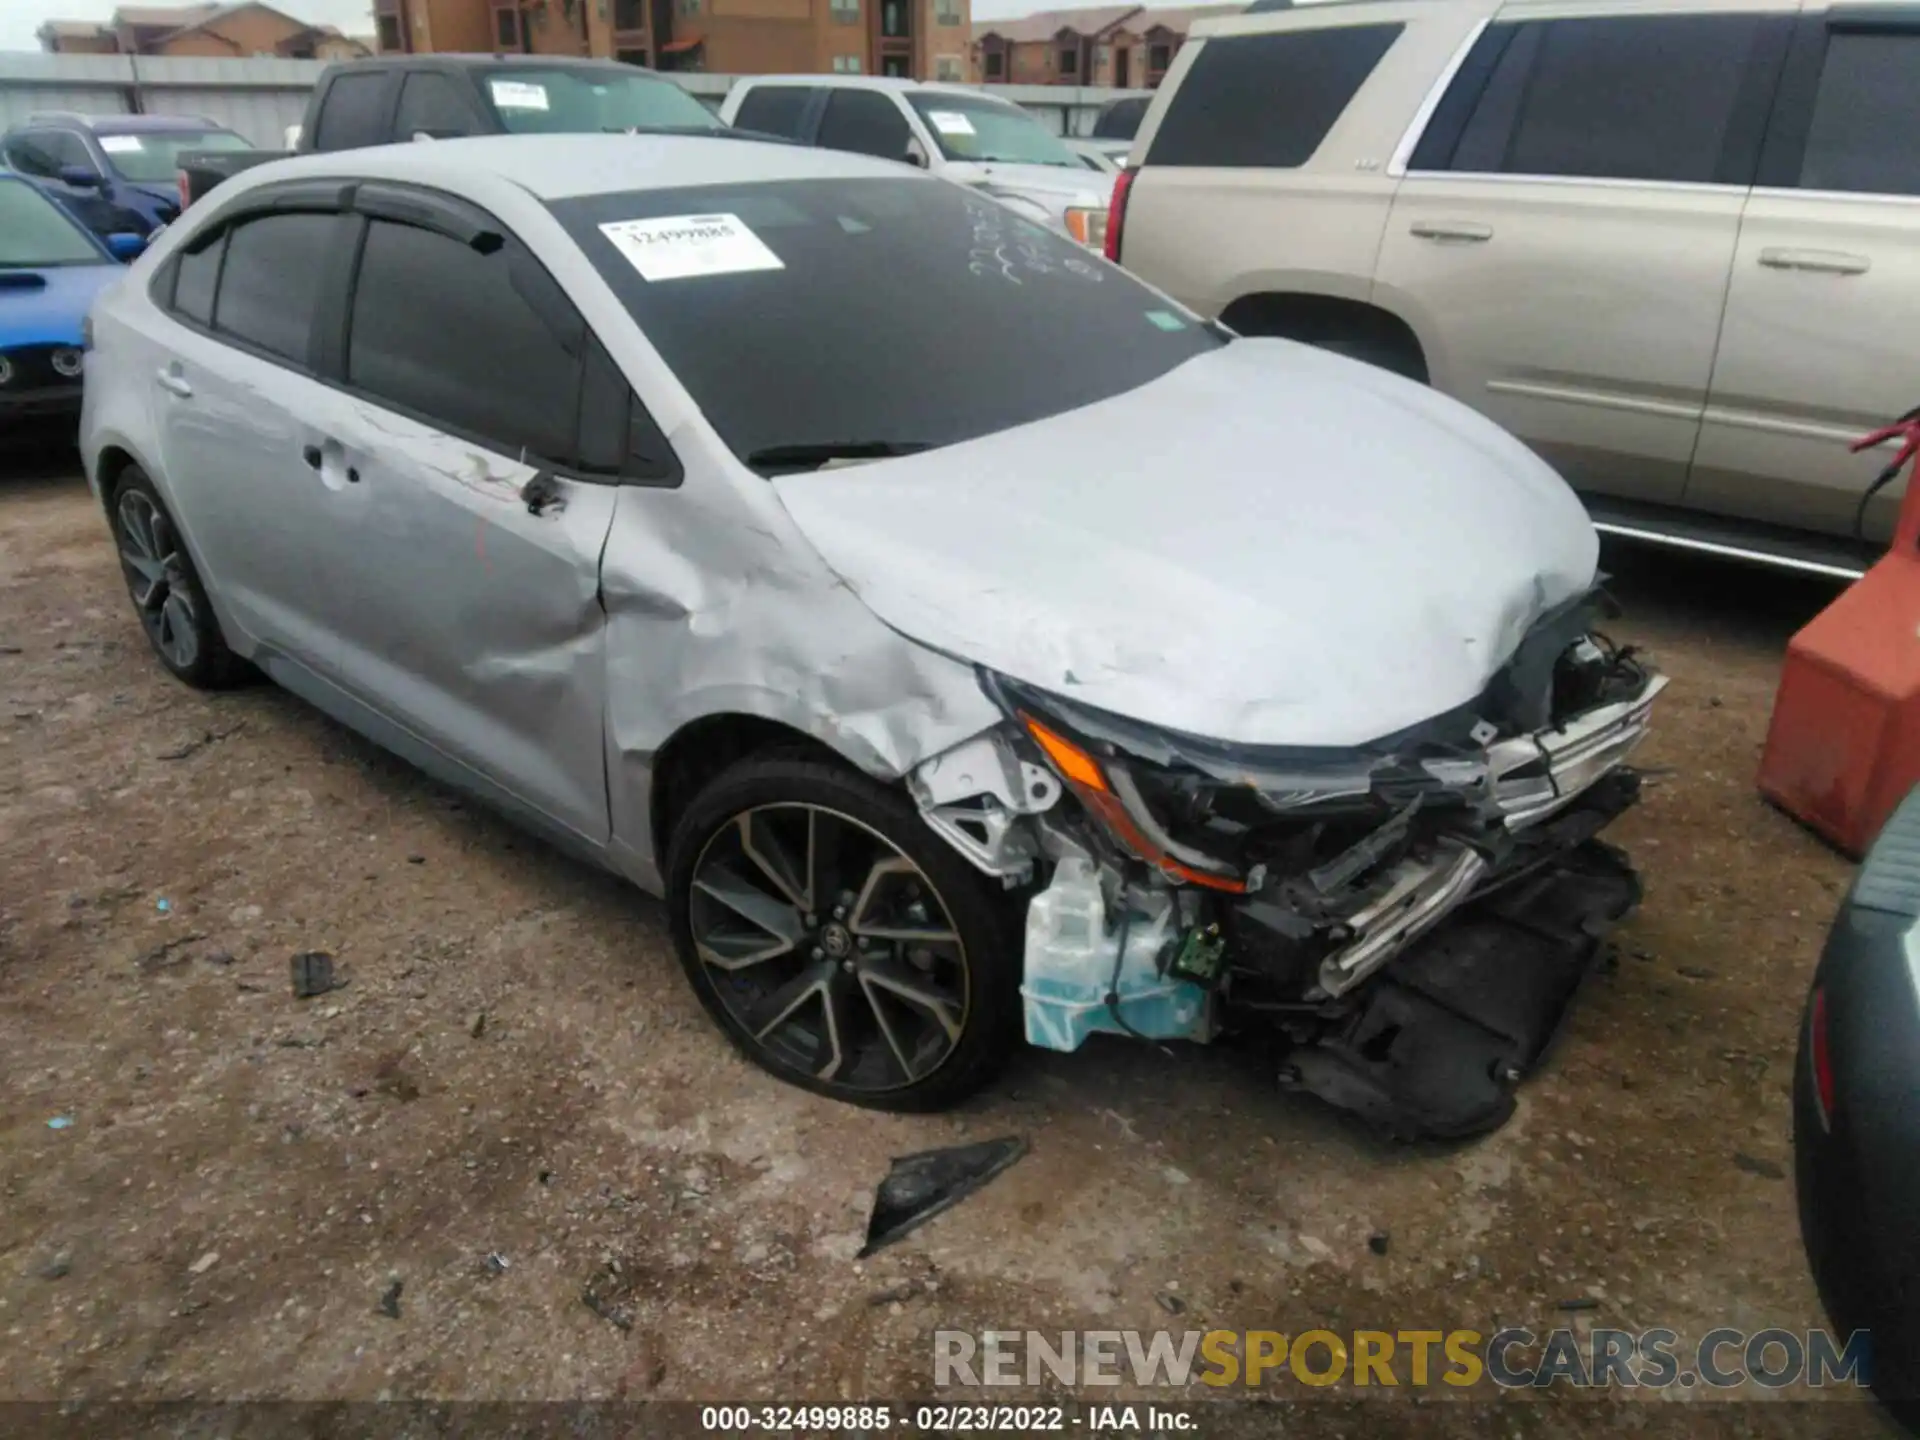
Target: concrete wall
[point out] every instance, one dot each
(259, 98)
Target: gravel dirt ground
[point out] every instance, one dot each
(516, 1069)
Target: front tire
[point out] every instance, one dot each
(165, 589)
(838, 942)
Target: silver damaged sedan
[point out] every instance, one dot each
(965, 640)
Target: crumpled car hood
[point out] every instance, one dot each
(1268, 544)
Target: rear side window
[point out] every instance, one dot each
(1119, 119)
(774, 109)
(353, 112)
(1649, 97)
(484, 345)
(1267, 100)
(865, 122)
(430, 103)
(1866, 116)
(195, 275)
(271, 279)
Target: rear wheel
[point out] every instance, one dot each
(166, 592)
(839, 943)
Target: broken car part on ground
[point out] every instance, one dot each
(1115, 673)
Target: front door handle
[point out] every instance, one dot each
(1451, 230)
(173, 381)
(1820, 262)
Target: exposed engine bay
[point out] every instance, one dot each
(1410, 918)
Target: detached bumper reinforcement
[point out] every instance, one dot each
(1455, 1022)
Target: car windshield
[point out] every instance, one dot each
(535, 101)
(872, 316)
(36, 233)
(968, 127)
(152, 156)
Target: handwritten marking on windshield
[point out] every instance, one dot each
(994, 253)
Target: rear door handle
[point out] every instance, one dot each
(175, 382)
(1822, 262)
(1451, 230)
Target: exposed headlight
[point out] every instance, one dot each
(1088, 226)
(1111, 796)
(6, 371)
(68, 362)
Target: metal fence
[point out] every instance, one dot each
(260, 97)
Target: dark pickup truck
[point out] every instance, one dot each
(442, 97)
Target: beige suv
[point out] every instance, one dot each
(1673, 246)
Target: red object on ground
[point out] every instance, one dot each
(1844, 744)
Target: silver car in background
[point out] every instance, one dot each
(960, 636)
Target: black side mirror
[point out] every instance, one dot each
(80, 177)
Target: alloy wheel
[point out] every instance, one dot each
(156, 571)
(829, 948)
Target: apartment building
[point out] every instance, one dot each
(215, 31)
(923, 39)
(1125, 46)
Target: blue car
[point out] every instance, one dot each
(51, 267)
(116, 172)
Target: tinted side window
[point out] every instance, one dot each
(1119, 119)
(1267, 100)
(431, 103)
(271, 279)
(31, 155)
(1633, 98)
(67, 148)
(467, 341)
(353, 112)
(865, 122)
(774, 109)
(195, 275)
(1866, 116)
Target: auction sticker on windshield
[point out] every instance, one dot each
(950, 122)
(518, 94)
(682, 247)
(119, 144)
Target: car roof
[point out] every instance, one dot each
(559, 167)
(112, 124)
(131, 124)
(470, 60)
(871, 82)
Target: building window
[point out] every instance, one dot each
(631, 57)
(1070, 61)
(846, 64)
(689, 7)
(1159, 57)
(994, 65)
(893, 19)
(389, 34)
(948, 68)
(946, 12)
(846, 12)
(506, 28)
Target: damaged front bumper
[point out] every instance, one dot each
(1197, 887)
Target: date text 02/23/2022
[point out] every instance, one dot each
(872, 1419)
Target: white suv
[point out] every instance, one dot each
(977, 140)
(1674, 246)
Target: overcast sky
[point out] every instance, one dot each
(20, 18)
